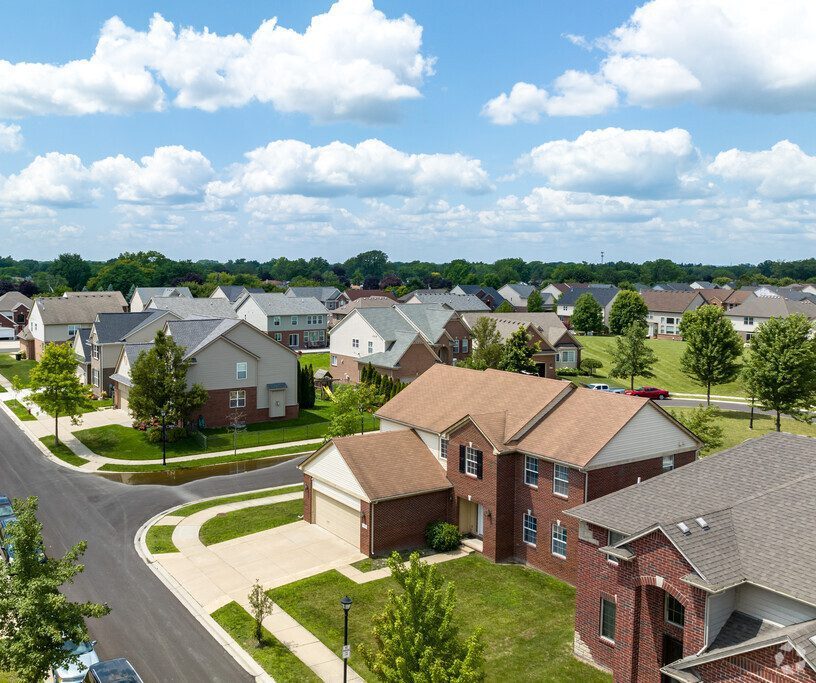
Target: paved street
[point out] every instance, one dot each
(147, 624)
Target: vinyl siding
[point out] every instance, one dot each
(329, 466)
(251, 312)
(764, 604)
(354, 326)
(720, 607)
(58, 333)
(215, 368)
(648, 434)
(335, 493)
(147, 333)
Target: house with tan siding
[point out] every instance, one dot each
(296, 322)
(142, 296)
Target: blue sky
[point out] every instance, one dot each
(674, 128)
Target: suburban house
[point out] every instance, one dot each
(603, 294)
(724, 298)
(366, 302)
(748, 316)
(461, 303)
(672, 287)
(56, 320)
(353, 294)
(330, 297)
(556, 289)
(500, 454)
(82, 350)
(705, 573)
(666, 310)
(249, 377)
(233, 293)
(703, 284)
(295, 321)
(401, 341)
(516, 294)
(142, 296)
(109, 333)
(14, 311)
(548, 326)
(193, 308)
(489, 295)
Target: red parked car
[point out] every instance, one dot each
(649, 392)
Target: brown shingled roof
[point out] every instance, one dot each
(392, 464)
(669, 302)
(354, 294)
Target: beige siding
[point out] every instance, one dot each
(250, 312)
(35, 323)
(136, 304)
(764, 604)
(59, 333)
(648, 434)
(329, 466)
(147, 333)
(215, 367)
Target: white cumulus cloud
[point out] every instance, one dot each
(11, 137)
(51, 179)
(352, 62)
(368, 169)
(613, 161)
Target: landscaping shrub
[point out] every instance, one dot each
(442, 536)
(154, 434)
(568, 372)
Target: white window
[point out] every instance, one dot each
(443, 448)
(308, 320)
(559, 540)
(276, 321)
(567, 356)
(293, 320)
(334, 360)
(95, 351)
(237, 399)
(471, 461)
(668, 463)
(240, 371)
(319, 320)
(608, 613)
(371, 347)
(72, 330)
(278, 336)
(614, 537)
(95, 377)
(561, 480)
(294, 340)
(675, 612)
(455, 344)
(355, 343)
(530, 525)
(465, 345)
(530, 470)
(748, 321)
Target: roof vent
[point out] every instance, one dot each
(684, 528)
(701, 522)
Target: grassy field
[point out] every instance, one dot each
(19, 410)
(273, 656)
(8, 678)
(2, 389)
(191, 509)
(125, 443)
(250, 521)
(63, 452)
(668, 374)
(10, 367)
(203, 462)
(735, 426)
(160, 539)
(527, 617)
(316, 360)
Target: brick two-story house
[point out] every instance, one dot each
(516, 450)
(14, 310)
(707, 573)
(296, 322)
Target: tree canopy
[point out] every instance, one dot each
(587, 315)
(518, 351)
(627, 308)
(350, 404)
(534, 302)
(487, 345)
(632, 357)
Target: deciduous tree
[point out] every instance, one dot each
(350, 404)
(505, 307)
(534, 302)
(704, 422)
(587, 316)
(627, 308)
(517, 353)
(632, 357)
(487, 346)
(261, 606)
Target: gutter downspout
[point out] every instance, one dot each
(371, 528)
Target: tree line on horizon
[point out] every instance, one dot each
(372, 269)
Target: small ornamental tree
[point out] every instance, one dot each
(159, 382)
(306, 388)
(590, 365)
(350, 404)
(587, 316)
(35, 614)
(55, 386)
(627, 308)
(713, 347)
(505, 307)
(416, 636)
(632, 357)
(487, 346)
(534, 302)
(261, 606)
(780, 371)
(705, 423)
(517, 353)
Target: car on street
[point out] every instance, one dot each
(75, 672)
(598, 387)
(649, 392)
(112, 671)
(617, 390)
(5, 508)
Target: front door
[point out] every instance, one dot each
(470, 518)
(672, 651)
(479, 520)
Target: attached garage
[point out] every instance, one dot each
(340, 519)
(7, 333)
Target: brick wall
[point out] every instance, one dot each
(307, 499)
(772, 664)
(609, 479)
(457, 330)
(216, 410)
(401, 523)
(415, 361)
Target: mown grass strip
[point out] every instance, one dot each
(191, 509)
(19, 410)
(248, 521)
(160, 539)
(63, 452)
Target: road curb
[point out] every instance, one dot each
(223, 638)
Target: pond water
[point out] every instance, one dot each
(182, 476)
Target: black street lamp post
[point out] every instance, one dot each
(346, 602)
(164, 437)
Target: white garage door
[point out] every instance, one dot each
(7, 333)
(340, 519)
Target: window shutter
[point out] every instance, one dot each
(461, 458)
(478, 464)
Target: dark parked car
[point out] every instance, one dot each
(649, 392)
(112, 671)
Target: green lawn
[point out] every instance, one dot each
(273, 656)
(125, 443)
(63, 452)
(2, 389)
(527, 617)
(735, 426)
(668, 374)
(19, 410)
(92, 406)
(316, 360)
(10, 367)
(203, 462)
(370, 564)
(8, 678)
(160, 539)
(250, 521)
(191, 509)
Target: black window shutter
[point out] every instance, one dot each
(461, 458)
(478, 464)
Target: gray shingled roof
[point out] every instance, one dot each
(522, 289)
(772, 307)
(319, 293)
(549, 324)
(10, 299)
(195, 334)
(280, 304)
(234, 292)
(147, 293)
(498, 299)
(76, 310)
(603, 295)
(457, 302)
(429, 319)
(195, 308)
(758, 499)
(114, 327)
(132, 351)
